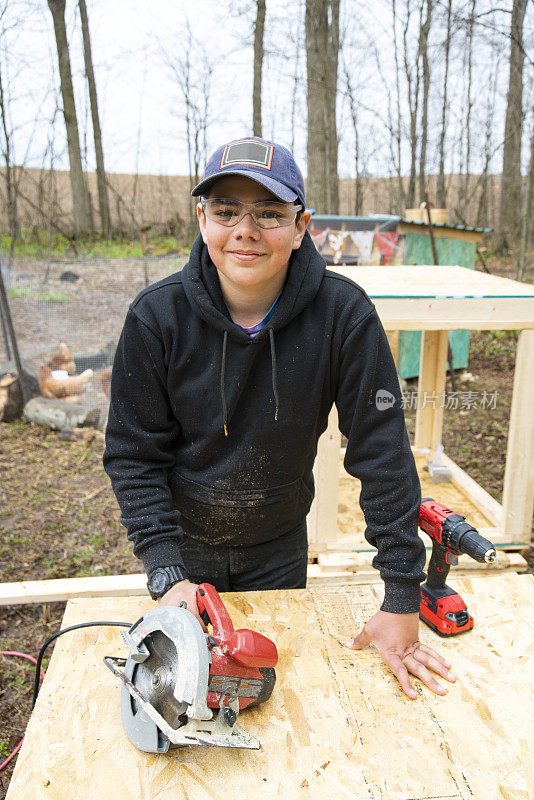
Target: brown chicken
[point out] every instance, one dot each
(60, 387)
(63, 360)
(105, 380)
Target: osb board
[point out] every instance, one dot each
(350, 520)
(336, 725)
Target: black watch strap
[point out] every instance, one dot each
(162, 579)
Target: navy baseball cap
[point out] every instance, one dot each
(267, 163)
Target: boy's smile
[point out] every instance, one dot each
(251, 261)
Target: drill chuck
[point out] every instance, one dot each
(473, 544)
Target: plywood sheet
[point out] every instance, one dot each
(336, 726)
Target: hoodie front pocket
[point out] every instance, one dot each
(258, 514)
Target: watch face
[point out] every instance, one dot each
(158, 581)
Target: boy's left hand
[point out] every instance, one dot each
(396, 637)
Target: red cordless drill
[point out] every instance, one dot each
(441, 607)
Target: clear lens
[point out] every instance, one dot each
(266, 214)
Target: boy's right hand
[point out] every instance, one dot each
(180, 592)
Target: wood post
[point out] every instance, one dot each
(322, 519)
(432, 375)
(518, 491)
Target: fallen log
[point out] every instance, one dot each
(59, 415)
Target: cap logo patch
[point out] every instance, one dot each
(248, 151)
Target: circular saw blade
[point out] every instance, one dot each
(156, 678)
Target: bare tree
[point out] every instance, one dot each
(413, 78)
(259, 26)
(13, 173)
(486, 186)
(530, 192)
(193, 76)
(511, 166)
(358, 183)
(332, 142)
(322, 50)
(11, 179)
(316, 42)
(528, 214)
(297, 41)
(425, 68)
(80, 195)
(441, 188)
(9, 168)
(464, 202)
(103, 199)
(398, 126)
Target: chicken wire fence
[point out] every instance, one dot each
(68, 317)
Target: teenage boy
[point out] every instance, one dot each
(223, 380)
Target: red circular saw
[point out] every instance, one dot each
(176, 674)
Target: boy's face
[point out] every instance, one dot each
(247, 256)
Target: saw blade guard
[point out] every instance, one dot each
(169, 666)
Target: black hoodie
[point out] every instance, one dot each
(216, 432)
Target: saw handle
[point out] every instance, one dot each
(249, 648)
(213, 611)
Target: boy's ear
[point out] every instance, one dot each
(300, 228)
(201, 222)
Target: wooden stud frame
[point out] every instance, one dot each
(322, 522)
(432, 374)
(436, 299)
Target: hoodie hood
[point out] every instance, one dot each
(202, 288)
(201, 285)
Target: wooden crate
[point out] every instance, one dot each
(336, 725)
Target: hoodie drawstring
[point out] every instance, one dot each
(223, 375)
(223, 372)
(273, 373)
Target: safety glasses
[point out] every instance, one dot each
(265, 213)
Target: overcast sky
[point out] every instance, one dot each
(135, 42)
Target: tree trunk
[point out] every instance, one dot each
(80, 197)
(358, 188)
(442, 190)
(511, 167)
(316, 46)
(487, 189)
(322, 49)
(464, 204)
(332, 57)
(258, 66)
(423, 51)
(530, 205)
(413, 106)
(296, 73)
(103, 199)
(398, 131)
(11, 188)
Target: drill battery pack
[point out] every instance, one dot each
(443, 610)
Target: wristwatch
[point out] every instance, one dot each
(162, 579)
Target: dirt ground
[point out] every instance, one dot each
(58, 515)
